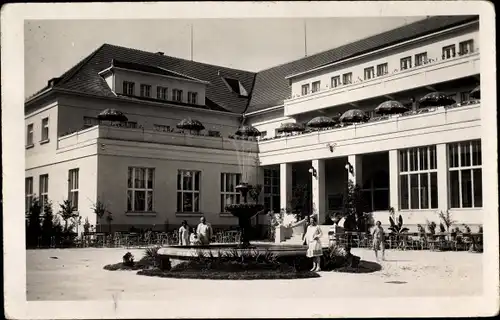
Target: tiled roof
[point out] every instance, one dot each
(271, 88)
(266, 88)
(84, 76)
(149, 69)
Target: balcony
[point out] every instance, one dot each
(90, 135)
(437, 125)
(435, 71)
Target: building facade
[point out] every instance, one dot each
(151, 175)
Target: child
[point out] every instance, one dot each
(378, 239)
(193, 238)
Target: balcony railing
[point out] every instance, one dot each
(428, 63)
(376, 119)
(380, 134)
(153, 136)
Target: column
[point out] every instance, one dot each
(285, 185)
(356, 176)
(442, 177)
(318, 189)
(394, 179)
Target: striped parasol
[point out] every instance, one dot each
(112, 115)
(354, 116)
(391, 107)
(435, 99)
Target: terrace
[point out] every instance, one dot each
(433, 125)
(170, 137)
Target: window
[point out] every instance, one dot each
(315, 86)
(464, 96)
(229, 195)
(161, 127)
(177, 95)
(405, 63)
(188, 191)
(161, 93)
(347, 78)
(28, 192)
(140, 189)
(465, 176)
(418, 178)
(420, 59)
(44, 190)
(336, 81)
(465, 47)
(263, 134)
(375, 191)
(448, 52)
(29, 135)
(73, 188)
(272, 190)
(145, 90)
(128, 88)
(369, 73)
(45, 129)
(305, 89)
(192, 97)
(382, 69)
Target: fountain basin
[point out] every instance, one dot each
(216, 250)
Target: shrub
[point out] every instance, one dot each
(128, 259)
(431, 226)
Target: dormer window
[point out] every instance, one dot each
(177, 95)
(465, 47)
(369, 73)
(145, 90)
(192, 97)
(315, 86)
(128, 88)
(405, 63)
(449, 52)
(235, 86)
(161, 93)
(305, 89)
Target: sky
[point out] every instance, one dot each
(53, 46)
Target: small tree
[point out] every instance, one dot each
(109, 218)
(354, 208)
(67, 212)
(47, 223)
(431, 226)
(86, 226)
(447, 220)
(34, 228)
(99, 208)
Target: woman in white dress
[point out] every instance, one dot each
(314, 250)
(184, 234)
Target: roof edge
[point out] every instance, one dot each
(384, 48)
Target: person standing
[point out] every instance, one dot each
(184, 234)
(314, 250)
(304, 223)
(204, 232)
(378, 240)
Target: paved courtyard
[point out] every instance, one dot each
(78, 274)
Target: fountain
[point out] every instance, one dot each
(244, 211)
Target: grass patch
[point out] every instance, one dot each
(228, 275)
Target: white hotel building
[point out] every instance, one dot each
(151, 176)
